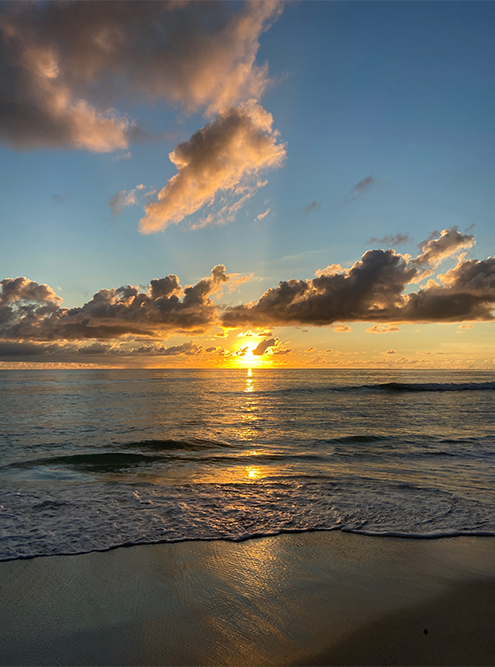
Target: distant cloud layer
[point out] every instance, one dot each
(373, 290)
(31, 311)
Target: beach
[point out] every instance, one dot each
(313, 598)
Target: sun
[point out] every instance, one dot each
(247, 358)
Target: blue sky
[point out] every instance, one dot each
(401, 92)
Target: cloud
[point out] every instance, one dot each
(264, 345)
(238, 145)
(262, 215)
(94, 348)
(391, 239)
(66, 64)
(272, 347)
(281, 351)
(236, 280)
(374, 290)
(122, 156)
(187, 349)
(360, 189)
(464, 327)
(390, 352)
(255, 334)
(314, 206)
(62, 197)
(363, 186)
(18, 290)
(330, 270)
(30, 311)
(382, 328)
(122, 199)
(436, 249)
(371, 289)
(14, 349)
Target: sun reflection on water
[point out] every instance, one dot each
(252, 472)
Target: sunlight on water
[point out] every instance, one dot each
(253, 473)
(94, 459)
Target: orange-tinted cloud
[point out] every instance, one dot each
(66, 64)
(382, 328)
(436, 249)
(238, 145)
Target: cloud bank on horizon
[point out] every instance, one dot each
(66, 65)
(373, 290)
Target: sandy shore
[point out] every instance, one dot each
(307, 599)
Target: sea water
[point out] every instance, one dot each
(95, 459)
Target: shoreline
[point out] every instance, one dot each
(361, 533)
(310, 598)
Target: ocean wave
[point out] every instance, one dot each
(91, 462)
(430, 386)
(357, 439)
(168, 445)
(387, 387)
(114, 462)
(82, 518)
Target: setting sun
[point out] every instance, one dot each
(245, 356)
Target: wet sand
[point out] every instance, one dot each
(324, 598)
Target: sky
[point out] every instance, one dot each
(260, 184)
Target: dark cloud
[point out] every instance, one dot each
(16, 290)
(363, 186)
(314, 206)
(13, 349)
(30, 311)
(374, 290)
(391, 240)
(360, 189)
(466, 292)
(371, 288)
(264, 345)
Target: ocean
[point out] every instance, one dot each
(96, 459)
